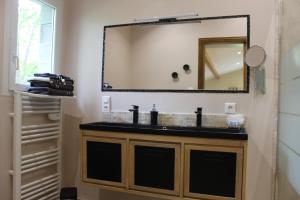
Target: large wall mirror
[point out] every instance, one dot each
(191, 55)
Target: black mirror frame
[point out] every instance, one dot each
(103, 89)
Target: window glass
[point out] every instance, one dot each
(36, 25)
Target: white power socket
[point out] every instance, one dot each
(230, 108)
(106, 104)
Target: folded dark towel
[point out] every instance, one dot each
(59, 81)
(50, 91)
(55, 77)
(49, 75)
(59, 86)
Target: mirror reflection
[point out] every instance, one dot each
(205, 55)
(221, 64)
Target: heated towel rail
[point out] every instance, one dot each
(37, 147)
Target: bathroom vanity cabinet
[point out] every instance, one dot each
(154, 167)
(164, 166)
(104, 161)
(212, 172)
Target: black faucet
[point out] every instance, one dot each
(135, 111)
(199, 116)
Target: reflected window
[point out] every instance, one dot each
(221, 64)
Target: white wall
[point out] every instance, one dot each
(1, 38)
(289, 113)
(5, 124)
(118, 57)
(6, 106)
(83, 46)
(1, 32)
(157, 51)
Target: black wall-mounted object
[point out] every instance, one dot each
(175, 75)
(186, 67)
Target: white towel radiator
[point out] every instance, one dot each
(36, 147)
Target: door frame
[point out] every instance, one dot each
(202, 42)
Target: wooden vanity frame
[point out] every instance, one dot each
(183, 143)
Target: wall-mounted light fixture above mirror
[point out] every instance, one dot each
(141, 56)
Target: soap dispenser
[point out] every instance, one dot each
(153, 116)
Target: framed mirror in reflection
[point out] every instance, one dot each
(206, 53)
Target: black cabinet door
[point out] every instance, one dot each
(214, 172)
(155, 166)
(104, 161)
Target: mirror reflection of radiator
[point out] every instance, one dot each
(37, 147)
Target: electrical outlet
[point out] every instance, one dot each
(106, 104)
(230, 108)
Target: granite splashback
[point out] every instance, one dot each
(178, 119)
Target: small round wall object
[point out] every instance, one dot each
(175, 75)
(186, 67)
(255, 56)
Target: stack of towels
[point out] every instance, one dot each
(51, 84)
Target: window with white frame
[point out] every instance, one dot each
(35, 39)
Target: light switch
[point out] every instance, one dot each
(230, 108)
(106, 104)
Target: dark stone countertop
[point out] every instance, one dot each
(197, 132)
